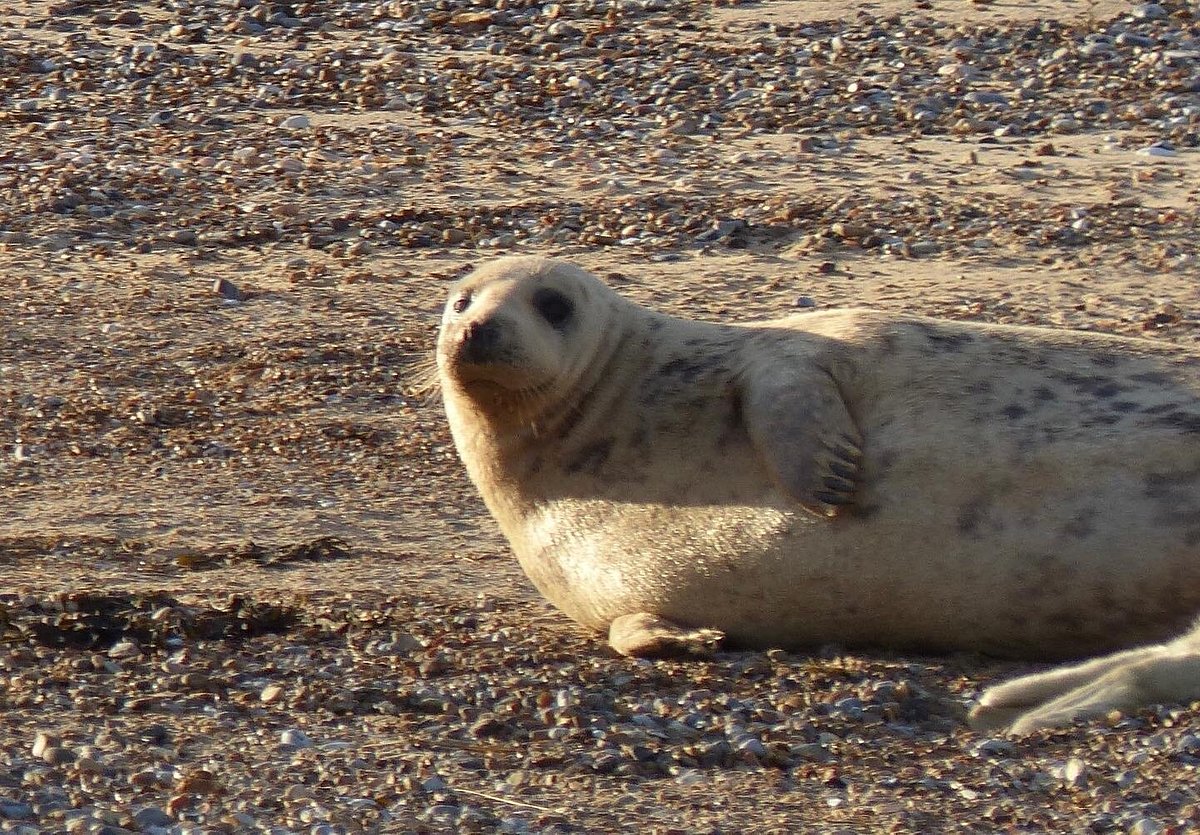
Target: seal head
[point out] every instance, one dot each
(513, 340)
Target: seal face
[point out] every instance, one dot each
(849, 476)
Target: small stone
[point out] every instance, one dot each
(126, 648)
(1075, 773)
(43, 741)
(996, 748)
(295, 738)
(243, 58)
(271, 694)
(15, 810)
(434, 784)
(58, 756)
(182, 236)
(1145, 826)
(245, 155)
(684, 127)
(227, 290)
(128, 18)
(805, 302)
(149, 816)
(200, 781)
(89, 765)
(1134, 39)
(196, 682)
(1158, 149)
(1188, 744)
(812, 752)
(1064, 124)
(297, 122)
(1149, 11)
(161, 118)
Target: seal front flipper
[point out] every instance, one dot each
(800, 425)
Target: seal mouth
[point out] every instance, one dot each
(495, 381)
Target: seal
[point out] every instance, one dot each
(851, 476)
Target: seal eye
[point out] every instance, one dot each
(461, 303)
(554, 307)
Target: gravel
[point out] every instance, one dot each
(250, 588)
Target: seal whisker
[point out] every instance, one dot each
(424, 378)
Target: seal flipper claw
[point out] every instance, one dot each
(807, 438)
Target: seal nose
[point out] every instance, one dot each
(479, 341)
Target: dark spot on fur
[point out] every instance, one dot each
(1014, 411)
(979, 387)
(945, 341)
(1192, 537)
(1188, 422)
(884, 460)
(1101, 420)
(1089, 383)
(1159, 408)
(734, 427)
(570, 421)
(1154, 377)
(591, 457)
(1082, 524)
(688, 370)
(637, 439)
(655, 325)
(1044, 395)
(1124, 406)
(861, 511)
(1104, 360)
(970, 517)
(1158, 485)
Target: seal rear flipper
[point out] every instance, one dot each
(807, 438)
(646, 635)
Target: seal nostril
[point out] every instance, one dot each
(479, 339)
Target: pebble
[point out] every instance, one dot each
(1075, 773)
(182, 236)
(1149, 11)
(125, 648)
(1157, 150)
(295, 738)
(15, 810)
(1145, 826)
(996, 747)
(421, 108)
(297, 122)
(149, 816)
(227, 290)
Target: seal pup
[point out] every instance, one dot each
(849, 475)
